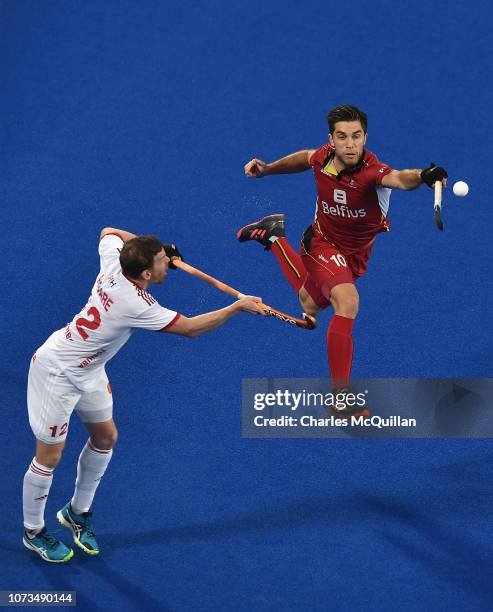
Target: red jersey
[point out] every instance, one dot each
(351, 206)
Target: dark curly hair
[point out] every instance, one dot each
(346, 112)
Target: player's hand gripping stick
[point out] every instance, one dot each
(308, 322)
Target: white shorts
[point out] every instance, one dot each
(51, 399)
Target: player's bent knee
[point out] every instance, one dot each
(102, 435)
(49, 455)
(348, 311)
(310, 307)
(345, 300)
(350, 307)
(49, 461)
(105, 441)
(307, 303)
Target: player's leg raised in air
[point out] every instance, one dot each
(321, 277)
(270, 232)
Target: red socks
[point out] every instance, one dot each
(290, 262)
(340, 350)
(339, 334)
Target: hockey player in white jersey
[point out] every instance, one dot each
(67, 373)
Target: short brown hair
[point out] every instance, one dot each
(138, 254)
(346, 112)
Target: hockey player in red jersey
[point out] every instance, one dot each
(353, 196)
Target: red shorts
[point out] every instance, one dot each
(328, 267)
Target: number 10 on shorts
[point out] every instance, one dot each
(339, 260)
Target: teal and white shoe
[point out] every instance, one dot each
(81, 527)
(48, 548)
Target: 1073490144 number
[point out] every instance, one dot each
(38, 598)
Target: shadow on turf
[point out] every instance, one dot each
(421, 526)
(121, 592)
(127, 590)
(64, 577)
(441, 550)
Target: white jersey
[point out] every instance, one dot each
(115, 308)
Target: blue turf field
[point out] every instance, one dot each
(140, 115)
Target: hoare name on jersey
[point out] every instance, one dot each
(342, 210)
(105, 299)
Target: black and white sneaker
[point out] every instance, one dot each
(266, 231)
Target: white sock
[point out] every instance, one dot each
(36, 486)
(90, 469)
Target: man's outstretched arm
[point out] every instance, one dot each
(295, 162)
(412, 179)
(403, 179)
(195, 326)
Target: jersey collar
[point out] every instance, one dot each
(344, 171)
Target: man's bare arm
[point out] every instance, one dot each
(124, 235)
(194, 326)
(403, 179)
(295, 162)
(410, 179)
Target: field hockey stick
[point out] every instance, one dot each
(438, 205)
(308, 322)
